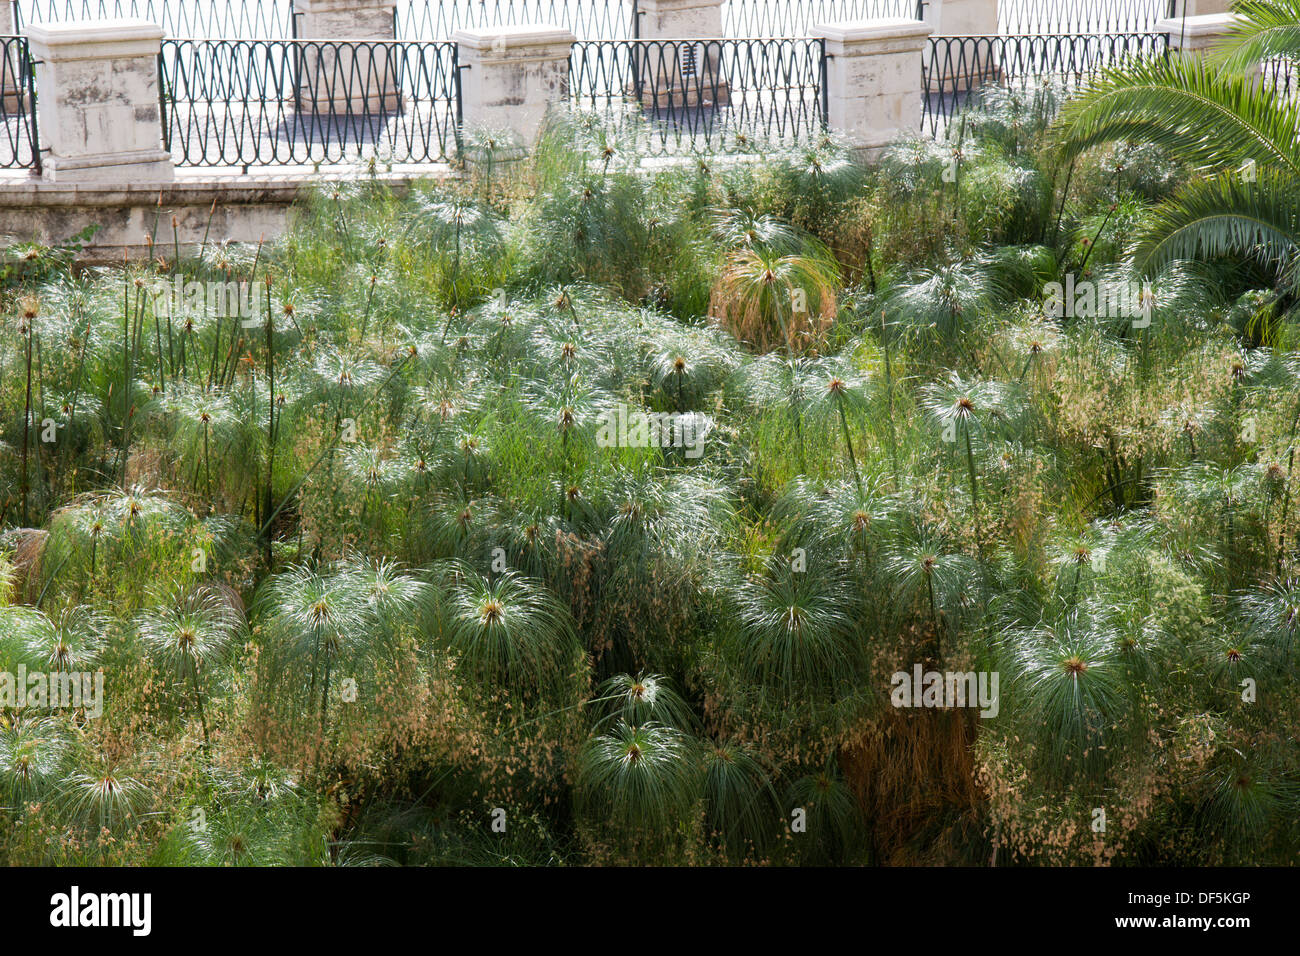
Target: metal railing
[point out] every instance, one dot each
(304, 102)
(955, 69)
(588, 19)
(1278, 76)
(20, 146)
(722, 94)
(280, 101)
(796, 18)
(426, 20)
(1098, 17)
(431, 20)
(231, 19)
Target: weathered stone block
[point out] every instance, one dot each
(510, 74)
(97, 101)
(873, 78)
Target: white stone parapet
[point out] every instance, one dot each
(680, 19)
(97, 101)
(873, 78)
(345, 19)
(340, 78)
(1196, 34)
(961, 18)
(1200, 8)
(511, 74)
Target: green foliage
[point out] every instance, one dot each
(612, 495)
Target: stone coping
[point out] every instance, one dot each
(513, 36)
(1205, 25)
(94, 39)
(340, 6)
(880, 28)
(193, 185)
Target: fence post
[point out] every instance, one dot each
(510, 74)
(1201, 8)
(1196, 35)
(967, 19)
(345, 19)
(97, 101)
(340, 78)
(963, 18)
(680, 19)
(873, 78)
(681, 74)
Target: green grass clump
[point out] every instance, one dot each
(367, 583)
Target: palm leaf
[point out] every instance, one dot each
(1207, 118)
(1262, 29)
(1224, 216)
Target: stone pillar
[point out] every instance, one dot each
(963, 18)
(680, 75)
(351, 78)
(344, 19)
(510, 74)
(873, 76)
(969, 19)
(1198, 34)
(1200, 8)
(680, 19)
(97, 101)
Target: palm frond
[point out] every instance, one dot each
(1211, 120)
(1226, 216)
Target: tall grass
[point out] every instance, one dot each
(461, 598)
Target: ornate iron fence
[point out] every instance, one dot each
(20, 142)
(427, 20)
(954, 69)
(431, 20)
(1278, 76)
(796, 18)
(231, 19)
(302, 102)
(723, 94)
(1099, 17)
(588, 19)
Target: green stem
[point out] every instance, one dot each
(853, 461)
(270, 425)
(889, 399)
(198, 700)
(27, 416)
(974, 498)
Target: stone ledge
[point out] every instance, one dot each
(248, 208)
(865, 31)
(93, 40)
(16, 192)
(341, 6)
(1199, 27)
(40, 193)
(110, 168)
(517, 36)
